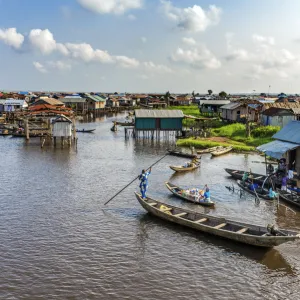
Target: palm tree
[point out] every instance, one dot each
(210, 92)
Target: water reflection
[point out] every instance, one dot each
(271, 258)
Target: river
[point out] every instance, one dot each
(58, 240)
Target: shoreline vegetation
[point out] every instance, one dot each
(226, 135)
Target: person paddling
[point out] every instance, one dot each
(144, 182)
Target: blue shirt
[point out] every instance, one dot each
(207, 195)
(144, 178)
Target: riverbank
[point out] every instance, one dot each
(232, 135)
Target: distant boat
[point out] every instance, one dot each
(221, 151)
(182, 154)
(85, 130)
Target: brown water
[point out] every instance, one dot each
(58, 241)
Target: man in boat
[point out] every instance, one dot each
(206, 195)
(144, 182)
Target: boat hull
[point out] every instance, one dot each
(208, 150)
(183, 169)
(221, 152)
(258, 191)
(290, 198)
(259, 241)
(181, 154)
(172, 188)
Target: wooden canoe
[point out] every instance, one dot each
(182, 154)
(185, 169)
(233, 230)
(257, 178)
(124, 123)
(221, 151)
(85, 130)
(261, 193)
(176, 191)
(291, 198)
(209, 150)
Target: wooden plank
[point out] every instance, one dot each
(201, 220)
(166, 209)
(220, 226)
(180, 215)
(152, 204)
(242, 230)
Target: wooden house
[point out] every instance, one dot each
(76, 102)
(95, 102)
(237, 112)
(277, 116)
(112, 102)
(212, 106)
(62, 127)
(161, 120)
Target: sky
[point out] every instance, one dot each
(239, 46)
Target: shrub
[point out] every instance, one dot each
(231, 130)
(265, 131)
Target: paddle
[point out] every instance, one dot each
(133, 181)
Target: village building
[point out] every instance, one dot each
(49, 101)
(10, 105)
(95, 102)
(112, 102)
(286, 145)
(158, 120)
(181, 100)
(237, 112)
(76, 102)
(212, 106)
(277, 116)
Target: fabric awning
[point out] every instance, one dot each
(276, 149)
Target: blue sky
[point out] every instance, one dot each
(150, 45)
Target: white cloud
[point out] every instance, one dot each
(110, 6)
(262, 39)
(194, 19)
(189, 41)
(60, 65)
(152, 67)
(143, 76)
(42, 40)
(131, 17)
(11, 37)
(127, 62)
(41, 68)
(144, 39)
(199, 57)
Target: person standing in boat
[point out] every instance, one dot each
(144, 182)
(206, 195)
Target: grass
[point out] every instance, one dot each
(205, 143)
(236, 137)
(192, 110)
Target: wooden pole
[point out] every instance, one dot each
(133, 181)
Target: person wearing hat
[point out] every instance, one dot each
(144, 182)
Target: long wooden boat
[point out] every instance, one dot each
(177, 191)
(233, 230)
(291, 198)
(125, 123)
(209, 150)
(257, 178)
(85, 130)
(261, 193)
(195, 166)
(221, 151)
(182, 154)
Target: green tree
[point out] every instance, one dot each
(210, 92)
(167, 98)
(223, 94)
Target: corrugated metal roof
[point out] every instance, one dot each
(289, 133)
(214, 102)
(2, 101)
(161, 113)
(231, 106)
(273, 111)
(282, 105)
(276, 149)
(72, 100)
(95, 97)
(296, 110)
